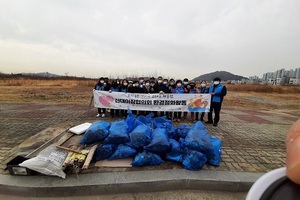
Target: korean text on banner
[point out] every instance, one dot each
(152, 102)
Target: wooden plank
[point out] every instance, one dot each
(89, 157)
(68, 149)
(64, 139)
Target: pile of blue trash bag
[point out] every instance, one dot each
(151, 140)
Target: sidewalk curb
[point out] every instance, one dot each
(127, 182)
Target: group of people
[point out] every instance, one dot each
(164, 86)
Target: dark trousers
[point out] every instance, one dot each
(101, 110)
(216, 108)
(177, 115)
(124, 113)
(114, 112)
(197, 116)
(134, 112)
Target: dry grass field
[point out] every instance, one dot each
(80, 91)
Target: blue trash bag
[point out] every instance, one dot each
(130, 120)
(140, 136)
(97, 132)
(198, 139)
(176, 153)
(118, 133)
(123, 151)
(182, 130)
(146, 158)
(147, 120)
(104, 151)
(199, 125)
(193, 160)
(171, 131)
(161, 122)
(217, 145)
(160, 142)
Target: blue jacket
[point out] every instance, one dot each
(179, 90)
(115, 88)
(203, 90)
(193, 91)
(99, 86)
(220, 91)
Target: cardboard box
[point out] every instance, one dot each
(14, 168)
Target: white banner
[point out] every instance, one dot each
(152, 102)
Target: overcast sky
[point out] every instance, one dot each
(157, 37)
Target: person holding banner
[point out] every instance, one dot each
(100, 86)
(124, 88)
(115, 87)
(186, 90)
(217, 91)
(178, 90)
(160, 88)
(202, 90)
(147, 89)
(192, 90)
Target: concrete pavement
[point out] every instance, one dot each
(253, 141)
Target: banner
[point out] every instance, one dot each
(152, 102)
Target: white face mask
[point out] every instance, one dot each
(216, 82)
(185, 83)
(147, 84)
(141, 81)
(125, 84)
(152, 84)
(178, 84)
(165, 82)
(159, 81)
(101, 81)
(203, 85)
(133, 85)
(118, 82)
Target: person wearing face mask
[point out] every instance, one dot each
(217, 91)
(166, 83)
(134, 89)
(124, 88)
(100, 86)
(141, 81)
(178, 90)
(172, 85)
(169, 90)
(106, 87)
(115, 87)
(192, 90)
(202, 90)
(160, 88)
(147, 89)
(186, 90)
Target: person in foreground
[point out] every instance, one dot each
(293, 152)
(217, 91)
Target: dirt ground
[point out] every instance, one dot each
(80, 92)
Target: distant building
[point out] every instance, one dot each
(281, 77)
(297, 73)
(281, 81)
(294, 81)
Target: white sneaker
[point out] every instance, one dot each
(108, 110)
(103, 115)
(98, 115)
